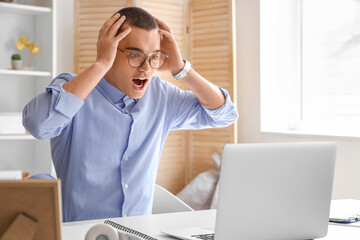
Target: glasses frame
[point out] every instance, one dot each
(148, 58)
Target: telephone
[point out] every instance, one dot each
(103, 231)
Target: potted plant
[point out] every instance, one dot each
(16, 61)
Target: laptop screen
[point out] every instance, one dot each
(275, 190)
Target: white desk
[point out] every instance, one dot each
(151, 225)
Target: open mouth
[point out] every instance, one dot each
(139, 83)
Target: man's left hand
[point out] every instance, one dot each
(168, 45)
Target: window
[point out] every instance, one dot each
(310, 66)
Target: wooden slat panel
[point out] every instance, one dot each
(211, 19)
(172, 167)
(211, 53)
(171, 174)
(208, 5)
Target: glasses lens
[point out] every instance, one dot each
(157, 60)
(136, 59)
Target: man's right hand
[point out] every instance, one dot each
(108, 42)
(86, 81)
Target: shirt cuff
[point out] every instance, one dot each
(225, 108)
(66, 103)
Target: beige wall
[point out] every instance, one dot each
(347, 174)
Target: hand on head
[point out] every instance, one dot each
(168, 45)
(108, 41)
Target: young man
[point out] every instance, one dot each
(108, 124)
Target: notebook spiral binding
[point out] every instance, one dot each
(129, 230)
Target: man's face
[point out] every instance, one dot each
(134, 81)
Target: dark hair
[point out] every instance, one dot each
(138, 17)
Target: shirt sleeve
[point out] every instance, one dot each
(188, 113)
(46, 115)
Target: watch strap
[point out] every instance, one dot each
(184, 71)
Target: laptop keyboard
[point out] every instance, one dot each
(204, 236)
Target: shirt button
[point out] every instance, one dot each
(126, 111)
(126, 186)
(126, 158)
(132, 129)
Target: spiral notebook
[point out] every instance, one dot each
(130, 233)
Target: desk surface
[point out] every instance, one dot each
(151, 225)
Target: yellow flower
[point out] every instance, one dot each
(23, 42)
(20, 45)
(35, 50)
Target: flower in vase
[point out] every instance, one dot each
(33, 49)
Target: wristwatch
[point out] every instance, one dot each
(184, 71)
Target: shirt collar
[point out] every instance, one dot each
(112, 92)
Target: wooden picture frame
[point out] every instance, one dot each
(32, 202)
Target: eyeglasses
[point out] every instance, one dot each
(137, 59)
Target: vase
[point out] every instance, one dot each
(29, 62)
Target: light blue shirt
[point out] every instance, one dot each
(106, 149)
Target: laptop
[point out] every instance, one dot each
(271, 191)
